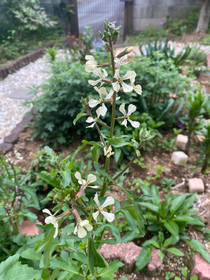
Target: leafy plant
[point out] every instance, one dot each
(184, 273)
(166, 50)
(167, 184)
(197, 55)
(167, 221)
(51, 54)
(205, 144)
(169, 275)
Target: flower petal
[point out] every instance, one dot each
(79, 178)
(116, 86)
(90, 120)
(96, 199)
(134, 124)
(126, 88)
(93, 83)
(129, 75)
(91, 178)
(50, 220)
(92, 125)
(101, 90)
(137, 89)
(117, 74)
(95, 215)
(103, 110)
(122, 109)
(109, 216)
(124, 122)
(47, 211)
(93, 103)
(81, 232)
(109, 201)
(56, 231)
(109, 96)
(131, 109)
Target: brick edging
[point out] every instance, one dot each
(22, 61)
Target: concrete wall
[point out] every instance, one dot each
(151, 12)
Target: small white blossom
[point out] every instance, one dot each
(90, 64)
(93, 102)
(79, 229)
(109, 201)
(90, 179)
(108, 151)
(126, 88)
(97, 71)
(51, 220)
(131, 109)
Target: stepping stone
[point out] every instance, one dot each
(181, 141)
(29, 228)
(196, 185)
(179, 158)
(21, 93)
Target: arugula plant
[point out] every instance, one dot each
(73, 252)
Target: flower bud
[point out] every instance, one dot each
(64, 214)
(106, 64)
(107, 47)
(126, 51)
(80, 192)
(76, 214)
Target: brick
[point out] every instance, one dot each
(201, 267)
(181, 141)
(179, 158)
(196, 185)
(128, 254)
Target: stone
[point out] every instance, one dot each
(6, 147)
(179, 158)
(201, 267)
(181, 142)
(12, 138)
(20, 93)
(196, 185)
(29, 228)
(128, 254)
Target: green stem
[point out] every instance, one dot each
(125, 168)
(111, 133)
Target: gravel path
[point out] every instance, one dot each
(11, 110)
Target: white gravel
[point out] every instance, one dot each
(11, 110)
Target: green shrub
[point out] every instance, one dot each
(197, 55)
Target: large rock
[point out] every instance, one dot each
(128, 254)
(6, 147)
(179, 158)
(201, 267)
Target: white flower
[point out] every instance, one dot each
(126, 88)
(137, 88)
(79, 229)
(109, 201)
(121, 61)
(18, 155)
(51, 220)
(108, 151)
(97, 71)
(93, 102)
(90, 179)
(91, 120)
(131, 109)
(90, 64)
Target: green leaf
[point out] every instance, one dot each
(49, 179)
(80, 115)
(130, 220)
(113, 267)
(95, 153)
(94, 257)
(64, 265)
(171, 241)
(143, 258)
(140, 217)
(177, 202)
(31, 254)
(172, 227)
(11, 269)
(184, 271)
(2, 211)
(46, 247)
(189, 220)
(118, 142)
(194, 277)
(175, 251)
(66, 175)
(150, 206)
(112, 227)
(200, 249)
